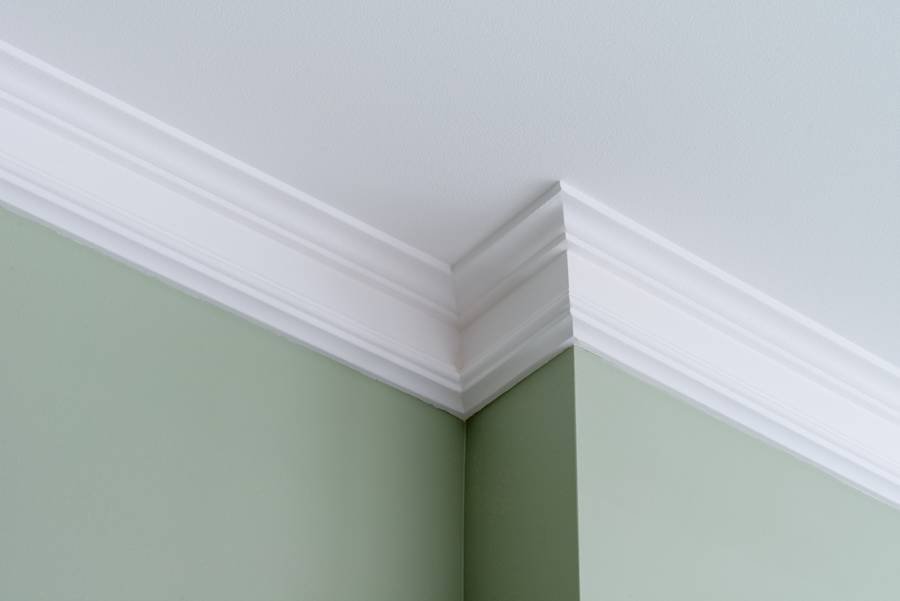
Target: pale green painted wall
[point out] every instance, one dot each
(675, 505)
(153, 447)
(521, 527)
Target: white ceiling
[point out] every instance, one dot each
(763, 136)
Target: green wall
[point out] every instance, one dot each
(521, 520)
(154, 447)
(676, 505)
(585, 482)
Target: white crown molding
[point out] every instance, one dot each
(113, 177)
(675, 319)
(567, 270)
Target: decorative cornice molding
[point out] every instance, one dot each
(111, 176)
(567, 270)
(675, 319)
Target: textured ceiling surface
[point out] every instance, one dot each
(763, 136)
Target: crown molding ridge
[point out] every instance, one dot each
(673, 318)
(513, 296)
(519, 349)
(511, 255)
(114, 178)
(106, 125)
(713, 294)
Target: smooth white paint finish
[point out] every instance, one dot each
(567, 270)
(763, 136)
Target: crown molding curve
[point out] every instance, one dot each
(566, 271)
